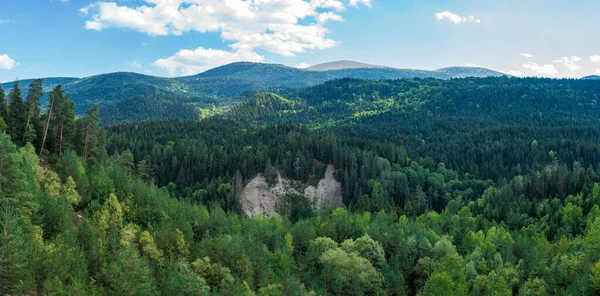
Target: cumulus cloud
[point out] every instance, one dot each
(515, 73)
(364, 2)
(6, 63)
(547, 69)
(136, 64)
(526, 55)
(284, 27)
(595, 59)
(329, 16)
(456, 19)
(570, 63)
(302, 66)
(189, 62)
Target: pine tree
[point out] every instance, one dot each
(144, 171)
(15, 256)
(12, 178)
(60, 122)
(3, 107)
(32, 107)
(65, 123)
(17, 116)
(51, 100)
(91, 133)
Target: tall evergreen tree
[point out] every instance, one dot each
(91, 132)
(60, 122)
(3, 107)
(51, 100)
(16, 119)
(32, 105)
(65, 119)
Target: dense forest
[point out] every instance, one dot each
(474, 186)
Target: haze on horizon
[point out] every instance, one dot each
(78, 38)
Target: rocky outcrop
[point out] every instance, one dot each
(258, 197)
(328, 192)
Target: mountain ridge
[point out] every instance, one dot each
(342, 64)
(214, 90)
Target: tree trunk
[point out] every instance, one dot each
(26, 127)
(62, 126)
(47, 126)
(87, 140)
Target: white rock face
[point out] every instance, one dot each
(258, 198)
(328, 193)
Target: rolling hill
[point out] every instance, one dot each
(338, 65)
(216, 89)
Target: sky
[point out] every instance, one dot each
(78, 38)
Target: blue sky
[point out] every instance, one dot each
(43, 38)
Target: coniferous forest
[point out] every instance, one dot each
(470, 186)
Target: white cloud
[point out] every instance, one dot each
(189, 62)
(6, 63)
(570, 63)
(515, 73)
(284, 27)
(598, 71)
(329, 16)
(595, 59)
(526, 55)
(302, 66)
(5, 22)
(364, 2)
(136, 64)
(333, 4)
(547, 69)
(456, 19)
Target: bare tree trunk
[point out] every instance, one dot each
(26, 127)
(47, 126)
(62, 126)
(87, 140)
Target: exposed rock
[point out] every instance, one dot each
(260, 198)
(328, 192)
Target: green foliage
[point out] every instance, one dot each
(444, 194)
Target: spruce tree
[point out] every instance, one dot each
(3, 107)
(16, 119)
(32, 105)
(91, 133)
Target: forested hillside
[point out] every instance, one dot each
(474, 186)
(207, 93)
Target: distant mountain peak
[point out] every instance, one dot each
(461, 72)
(591, 77)
(340, 65)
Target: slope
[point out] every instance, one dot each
(207, 91)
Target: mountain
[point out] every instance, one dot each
(338, 65)
(350, 102)
(591, 77)
(217, 89)
(461, 72)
